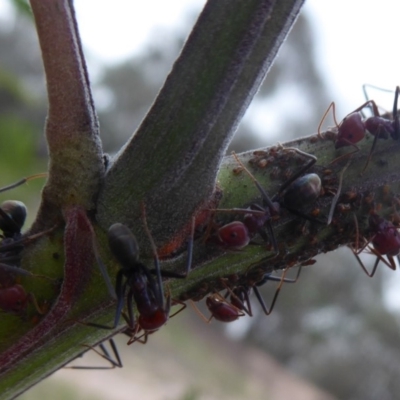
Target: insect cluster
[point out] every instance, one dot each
(141, 299)
(384, 238)
(14, 298)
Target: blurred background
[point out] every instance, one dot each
(333, 335)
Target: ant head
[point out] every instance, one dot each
(255, 222)
(13, 217)
(234, 235)
(123, 244)
(387, 238)
(351, 130)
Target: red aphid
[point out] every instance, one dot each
(234, 235)
(14, 299)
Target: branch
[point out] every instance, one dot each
(72, 129)
(172, 161)
(171, 164)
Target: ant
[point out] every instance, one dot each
(239, 304)
(13, 296)
(294, 194)
(135, 280)
(220, 309)
(240, 295)
(352, 129)
(385, 242)
(14, 299)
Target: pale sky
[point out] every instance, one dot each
(354, 38)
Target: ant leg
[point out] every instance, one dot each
(268, 277)
(171, 274)
(115, 361)
(336, 197)
(183, 306)
(376, 136)
(132, 328)
(20, 271)
(101, 265)
(376, 88)
(370, 103)
(332, 105)
(379, 257)
(271, 236)
(200, 314)
(390, 263)
(142, 339)
(120, 294)
(157, 270)
(365, 85)
(277, 291)
(22, 181)
(32, 299)
(396, 133)
(239, 295)
(24, 241)
(358, 249)
(357, 149)
(190, 249)
(370, 274)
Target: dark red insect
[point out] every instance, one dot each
(234, 235)
(220, 308)
(353, 127)
(238, 305)
(385, 242)
(14, 299)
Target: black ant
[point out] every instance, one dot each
(13, 296)
(136, 281)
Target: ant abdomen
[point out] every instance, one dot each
(123, 244)
(12, 217)
(302, 192)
